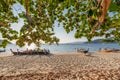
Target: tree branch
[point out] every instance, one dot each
(3, 24)
(27, 13)
(104, 5)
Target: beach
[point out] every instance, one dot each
(67, 66)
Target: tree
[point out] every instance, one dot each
(38, 22)
(89, 18)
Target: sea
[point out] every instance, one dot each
(66, 48)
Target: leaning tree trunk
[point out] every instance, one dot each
(104, 5)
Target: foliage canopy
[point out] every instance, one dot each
(40, 15)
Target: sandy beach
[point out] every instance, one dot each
(71, 66)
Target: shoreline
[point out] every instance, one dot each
(63, 66)
(5, 54)
(59, 53)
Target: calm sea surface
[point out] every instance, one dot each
(63, 48)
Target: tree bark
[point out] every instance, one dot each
(104, 5)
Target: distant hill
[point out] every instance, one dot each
(95, 41)
(74, 43)
(101, 41)
(78, 42)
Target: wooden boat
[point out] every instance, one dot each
(44, 51)
(2, 50)
(83, 50)
(109, 50)
(31, 52)
(22, 52)
(15, 53)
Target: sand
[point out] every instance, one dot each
(71, 66)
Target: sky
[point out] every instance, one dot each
(66, 37)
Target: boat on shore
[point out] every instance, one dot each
(109, 50)
(13, 52)
(83, 50)
(2, 50)
(30, 52)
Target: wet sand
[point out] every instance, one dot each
(71, 66)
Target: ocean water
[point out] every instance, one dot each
(93, 47)
(63, 48)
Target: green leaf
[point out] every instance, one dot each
(90, 13)
(113, 7)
